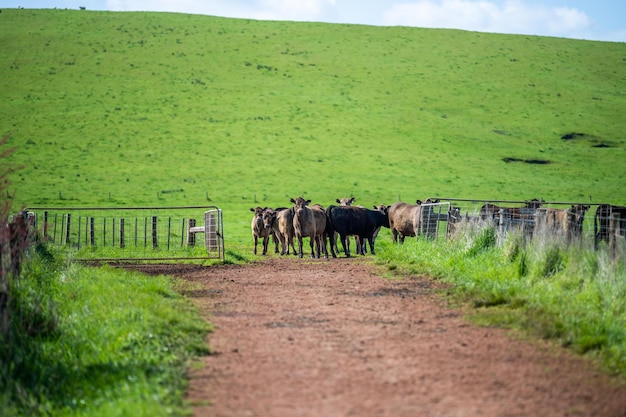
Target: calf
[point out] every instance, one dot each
(270, 222)
(309, 221)
(259, 231)
(359, 221)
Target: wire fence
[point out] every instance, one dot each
(134, 233)
(595, 226)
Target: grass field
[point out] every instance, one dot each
(155, 108)
(158, 109)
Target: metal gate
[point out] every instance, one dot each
(134, 233)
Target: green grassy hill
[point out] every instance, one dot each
(158, 109)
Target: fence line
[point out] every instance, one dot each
(133, 233)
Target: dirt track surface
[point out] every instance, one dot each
(332, 338)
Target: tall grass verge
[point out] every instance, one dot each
(96, 342)
(566, 293)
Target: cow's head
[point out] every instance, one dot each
(299, 205)
(382, 208)
(345, 201)
(258, 214)
(533, 204)
(269, 216)
(578, 213)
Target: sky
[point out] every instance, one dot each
(602, 20)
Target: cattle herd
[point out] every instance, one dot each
(288, 225)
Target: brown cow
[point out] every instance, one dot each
(284, 219)
(561, 223)
(492, 212)
(602, 227)
(259, 231)
(270, 222)
(310, 221)
(505, 217)
(405, 219)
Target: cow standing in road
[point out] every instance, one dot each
(310, 221)
(259, 231)
(284, 219)
(358, 221)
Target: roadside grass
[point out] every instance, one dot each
(569, 294)
(97, 342)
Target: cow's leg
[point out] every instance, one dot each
(323, 243)
(266, 241)
(256, 241)
(318, 245)
(394, 235)
(312, 241)
(370, 239)
(275, 238)
(293, 246)
(346, 248)
(334, 239)
(300, 252)
(333, 243)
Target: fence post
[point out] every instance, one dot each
(78, 233)
(45, 224)
(67, 228)
(169, 228)
(92, 232)
(614, 233)
(191, 237)
(154, 233)
(122, 233)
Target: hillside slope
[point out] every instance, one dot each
(153, 108)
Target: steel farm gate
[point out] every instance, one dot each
(134, 233)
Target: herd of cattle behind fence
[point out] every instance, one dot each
(433, 218)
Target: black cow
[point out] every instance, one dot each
(350, 220)
(602, 222)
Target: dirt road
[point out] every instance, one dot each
(332, 338)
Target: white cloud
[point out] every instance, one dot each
(253, 9)
(512, 16)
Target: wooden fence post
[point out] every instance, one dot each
(191, 237)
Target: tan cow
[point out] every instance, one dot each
(284, 218)
(310, 221)
(259, 231)
(405, 219)
(561, 223)
(270, 222)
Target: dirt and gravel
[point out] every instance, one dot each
(316, 338)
